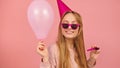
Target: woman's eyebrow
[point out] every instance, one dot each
(74, 21)
(64, 21)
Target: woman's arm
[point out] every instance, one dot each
(93, 56)
(49, 62)
(91, 62)
(44, 64)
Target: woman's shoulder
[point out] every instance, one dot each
(53, 51)
(53, 54)
(53, 48)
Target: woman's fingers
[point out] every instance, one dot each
(95, 51)
(41, 46)
(41, 49)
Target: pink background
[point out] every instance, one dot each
(101, 19)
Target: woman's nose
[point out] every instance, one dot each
(69, 27)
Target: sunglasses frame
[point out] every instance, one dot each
(78, 25)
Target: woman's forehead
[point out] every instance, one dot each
(67, 21)
(69, 17)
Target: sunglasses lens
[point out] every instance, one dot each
(65, 26)
(74, 26)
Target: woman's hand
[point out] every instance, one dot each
(42, 51)
(94, 53)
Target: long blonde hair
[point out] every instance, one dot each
(64, 56)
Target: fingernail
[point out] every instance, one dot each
(41, 49)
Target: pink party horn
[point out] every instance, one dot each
(95, 48)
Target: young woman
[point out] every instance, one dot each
(69, 49)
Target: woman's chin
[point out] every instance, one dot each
(69, 37)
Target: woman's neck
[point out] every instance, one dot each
(69, 43)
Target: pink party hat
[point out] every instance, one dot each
(62, 8)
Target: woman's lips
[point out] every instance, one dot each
(69, 32)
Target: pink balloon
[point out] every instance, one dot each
(40, 17)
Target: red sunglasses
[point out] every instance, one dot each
(73, 26)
